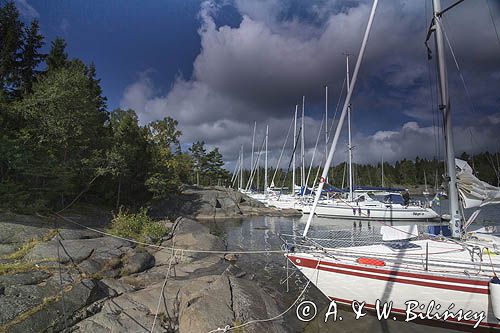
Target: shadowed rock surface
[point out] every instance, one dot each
(104, 284)
(215, 203)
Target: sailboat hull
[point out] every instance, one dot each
(375, 212)
(347, 282)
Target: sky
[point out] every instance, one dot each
(220, 66)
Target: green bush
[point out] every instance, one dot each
(138, 226)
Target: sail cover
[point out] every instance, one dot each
(474, 192)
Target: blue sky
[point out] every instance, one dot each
(218, 66)
(125, 38)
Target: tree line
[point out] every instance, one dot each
(59, 142)
(403, 173)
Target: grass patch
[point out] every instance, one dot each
(138, 226)
(17, 267)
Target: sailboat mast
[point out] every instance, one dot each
(294, 147)
(445, 106)
(265, 162)
(302, 150)
(383, 170)
(241, 167)
(253, 145)
(349, 145)
(341, 119)
(326, 123)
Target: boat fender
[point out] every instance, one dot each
(489, 252)
(494, 287)
(374, 262)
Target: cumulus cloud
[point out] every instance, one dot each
(258, 71)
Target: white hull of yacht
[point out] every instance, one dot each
(373, 212)
(447, 281)
(285, 202)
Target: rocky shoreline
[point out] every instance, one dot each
(78, 280)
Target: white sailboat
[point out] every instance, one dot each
(292, 200)
(450, 279)
(362, 205)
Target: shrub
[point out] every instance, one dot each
(138, 226)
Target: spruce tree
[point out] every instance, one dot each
(31, 57)
(95, 88)
(57, 56)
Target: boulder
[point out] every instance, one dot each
(138, 262)
(207, 309)
(227, 300)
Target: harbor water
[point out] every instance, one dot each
(270, 270)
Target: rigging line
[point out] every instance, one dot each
(449, 7)
(488, 156)
(254, 167)
(431, 90)
(493, 21)
(162, 292)
(314, 153)
(336, 110)
(456, 65)
(434, 113)
(80, 194)
(289, 165)
(282, 150)
(335, 113)
(63, 303)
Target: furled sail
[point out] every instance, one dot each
(474, 192)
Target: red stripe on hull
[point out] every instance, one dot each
(309, 263)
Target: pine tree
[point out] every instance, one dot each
(30, 57)
(57, 56)
(214, 164)
(198, 153)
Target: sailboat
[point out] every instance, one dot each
(417, 273)
(362, 204)
(292, 200)
(425, 192)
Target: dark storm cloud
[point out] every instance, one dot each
(258, 71)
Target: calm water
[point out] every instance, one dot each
(268, 270)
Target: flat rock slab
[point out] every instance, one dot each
(15, 228)
(120, 314)
(25, 278)
(74, 250)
